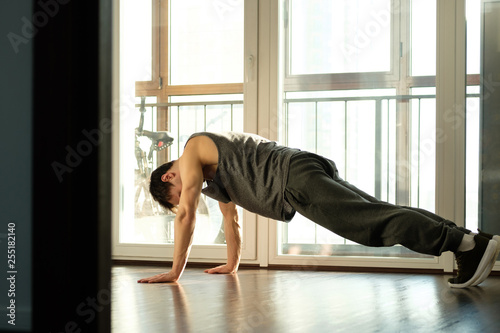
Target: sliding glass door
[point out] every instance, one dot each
(182, 71)
(359, 88)
(364, 83)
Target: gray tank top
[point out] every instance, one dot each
(252, 173)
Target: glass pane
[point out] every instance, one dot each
(339, 36)
(472, 159)
(423, 149)
(360, 156)
(205, 46)
(472, 149)
(301, 126)
(136, 40)
(364, 131)
(206, 42)
(141, 217)
(423, 37)
(142, 220)
(135, 65)
(340, 130)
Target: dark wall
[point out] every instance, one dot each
(56, 167)
(71, 173)
(15, 167)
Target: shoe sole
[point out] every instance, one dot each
(487, 271)
(483, 266)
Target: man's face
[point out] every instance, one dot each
(176, 186)
(175, 194)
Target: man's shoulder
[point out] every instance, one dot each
(203, 148)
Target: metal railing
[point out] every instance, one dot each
(377, 109)
(380, 102)
(175, 112)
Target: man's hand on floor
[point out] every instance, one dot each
(163, 277)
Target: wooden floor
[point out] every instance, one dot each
(260, 300)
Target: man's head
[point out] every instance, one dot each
(161, 186)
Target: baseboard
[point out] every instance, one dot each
(121, 262)
(349, 269)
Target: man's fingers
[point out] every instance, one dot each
(153, 279)
(212, 270)
(144, 280)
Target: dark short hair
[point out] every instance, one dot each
(159, 189)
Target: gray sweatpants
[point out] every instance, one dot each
(315, 190)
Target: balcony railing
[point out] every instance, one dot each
(189, 117)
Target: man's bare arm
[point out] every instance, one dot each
(192, 178)
(232, 232)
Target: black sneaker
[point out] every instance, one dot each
(472, 264)
(487, 272)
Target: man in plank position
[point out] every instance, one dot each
(276, 181)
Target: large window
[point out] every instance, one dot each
(359, 89)
(181, 72)
(339, 37)
(205, 42)
(352, 80)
